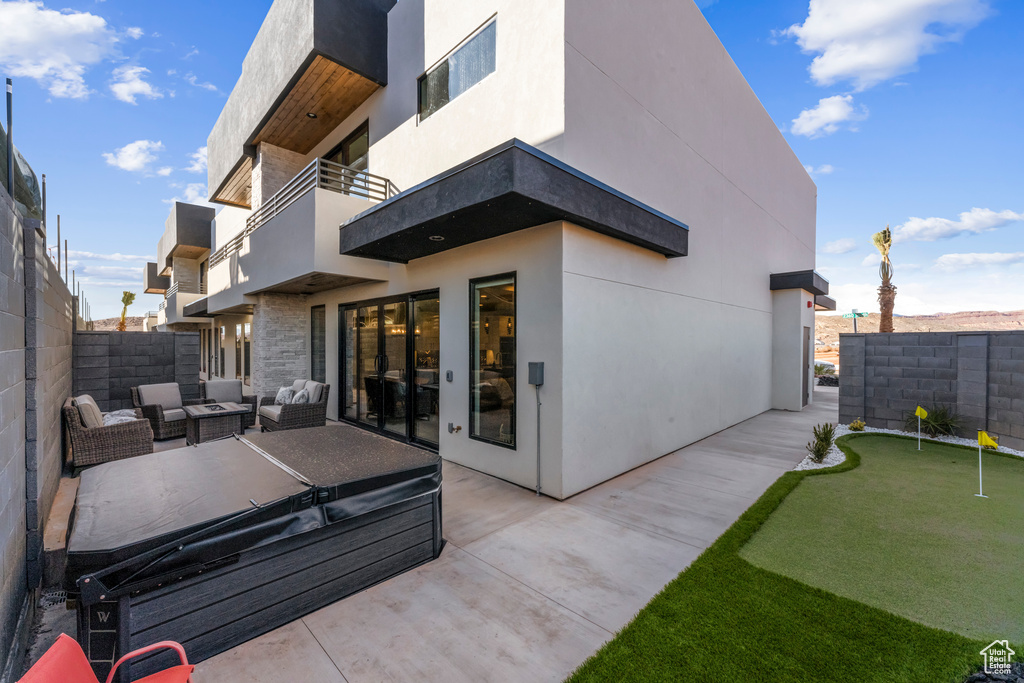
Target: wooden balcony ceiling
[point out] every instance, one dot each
(188, 251)
(326, 89)
(237, 190)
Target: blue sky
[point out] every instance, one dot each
(907, 112)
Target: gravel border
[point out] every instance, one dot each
(836, 456)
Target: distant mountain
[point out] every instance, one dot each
(828, 328)
(132, 324)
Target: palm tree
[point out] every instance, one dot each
(887, 292)
(128, 299)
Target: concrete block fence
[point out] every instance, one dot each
(108, 364)
(980, 375)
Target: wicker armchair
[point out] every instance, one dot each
(163, 429)
(294, 415)
(248, 420)
(104, 444)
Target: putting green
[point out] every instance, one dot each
(905, 533)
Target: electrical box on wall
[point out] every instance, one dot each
(537, 374)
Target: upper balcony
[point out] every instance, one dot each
(152, 283)
(312, 64)
(176, 299)
(290, 244)
(186, 235)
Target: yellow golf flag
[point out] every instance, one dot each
(921, 412)
(985, 440)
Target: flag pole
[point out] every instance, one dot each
(918, 432)
(980, 493)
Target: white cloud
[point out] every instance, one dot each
(193, 80)
(872, 260)
(135, 156)
(165, 171)
(89, 271)
(827, 117)
(93, 256)
(824, 169)
(971, 222)
(198, 158)
(53, 47)
(195, 193)
(843, 246)
(128, 84)
(134, 32)
(954, 262)
(866, 42)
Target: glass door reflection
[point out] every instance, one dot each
(395, 376)
(368, 381)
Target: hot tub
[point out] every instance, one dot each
(215, 544)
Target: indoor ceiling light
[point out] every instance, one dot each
(311, 115)
(437, 238)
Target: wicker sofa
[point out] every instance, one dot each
(95, 445)
(163, 409)
(295, 415)
(229, 391)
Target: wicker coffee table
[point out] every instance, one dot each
(213, 421)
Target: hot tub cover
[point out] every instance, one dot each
(156, 518)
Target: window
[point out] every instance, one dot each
(238, 351)
(202, 350)
(318, 344)
(248, 348)
(492, 369)
(463, 69)
(354, 151)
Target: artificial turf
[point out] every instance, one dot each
(904, 532)
(724, 619)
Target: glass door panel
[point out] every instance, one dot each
(395, 379)
(349, 396)
(426, 380)
(368, 382)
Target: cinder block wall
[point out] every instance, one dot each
(12, 425)
(36, 326)
(108, 364)
(980, 375)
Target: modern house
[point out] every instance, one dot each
(420, 199)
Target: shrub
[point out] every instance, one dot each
(822, 369)
(941, 421)
(857, 425)
(824, 437)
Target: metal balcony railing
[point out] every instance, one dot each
(175, 288)
(163, 304)
(323, 174)
(171, 291)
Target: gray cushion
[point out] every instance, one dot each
(165, 395)
(271, 412)
(89, 411)
(298, 385)
(315, 390)
(301, 397)
(284, 395)
(174, 414)
(224, 390)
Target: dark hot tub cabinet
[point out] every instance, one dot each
(215, 544)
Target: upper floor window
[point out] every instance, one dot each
(463, 69)
(354, 150)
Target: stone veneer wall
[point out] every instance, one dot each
(185, 273)
(36, 328)
(280, 326)
(273, 168)
(109, 364)
(882, 377)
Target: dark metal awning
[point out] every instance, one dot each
(824, 303)
(509, 188)
(807, 280)
(196, 309)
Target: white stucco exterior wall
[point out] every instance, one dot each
(793, 321)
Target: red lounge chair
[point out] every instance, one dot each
(65, 662)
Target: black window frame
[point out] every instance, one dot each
(444, 64)
(361, 129)
(515, 363)
(313, 310)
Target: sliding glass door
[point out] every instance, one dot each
(383, 358)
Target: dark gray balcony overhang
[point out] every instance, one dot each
(807, 280)
(310, 57)
(509, 188)
(152, 282)
(196, 309)
(186, 234)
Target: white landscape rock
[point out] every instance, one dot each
(836, 456)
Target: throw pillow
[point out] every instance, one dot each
(284, 395)
(115, 419)
(301, 397)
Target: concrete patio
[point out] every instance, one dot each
(527, 587)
